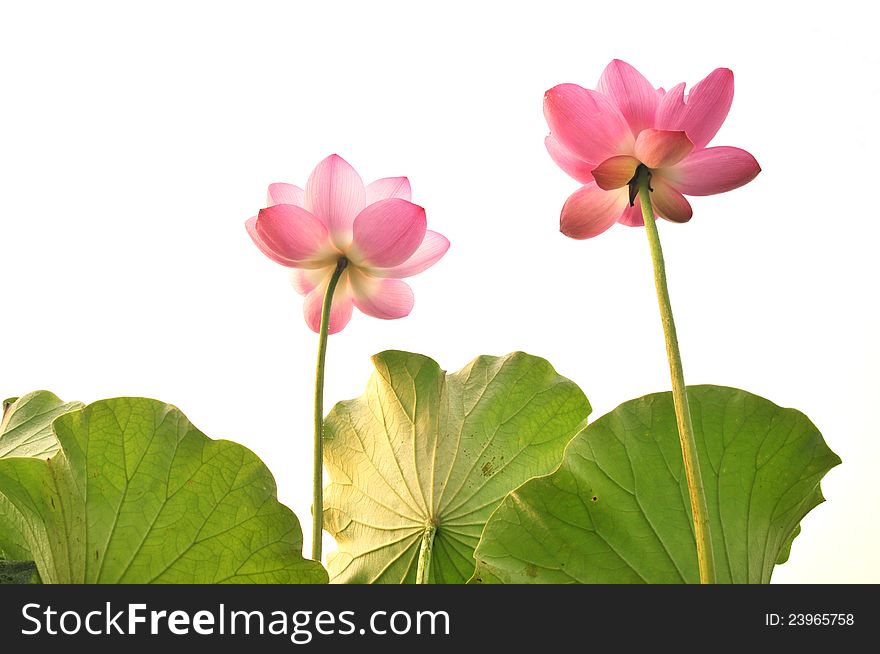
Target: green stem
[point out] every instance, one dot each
(318, 468)
(705, 558)
(423, 571)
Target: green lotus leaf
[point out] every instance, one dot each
(422, 452)
(617, 510)
(136, 494)
(26, 429)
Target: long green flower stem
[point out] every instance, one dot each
(705, 558)
(318, 469)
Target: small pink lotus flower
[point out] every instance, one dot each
(376, 228)
(600, 138)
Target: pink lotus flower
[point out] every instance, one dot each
(376, 228)
(600, 138)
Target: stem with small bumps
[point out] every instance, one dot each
(702, 535)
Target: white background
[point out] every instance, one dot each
(136, 138)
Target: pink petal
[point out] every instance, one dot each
(713, 170)
(634, 95)
(251, 227)
(669, 203)
(281, 193)
(387, 233)
(703, 111)
(306, 280)
(389, 187)
(632, 216)
(580, 170)
(615, 172)
(661, 147)
(586, 123)
(381, 298)
(671, 108)
(340, 307)
(589, 211)
(335, 194)
(430, 251)
(293, 236)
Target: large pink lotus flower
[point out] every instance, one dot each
(600, 138)
(376, 228)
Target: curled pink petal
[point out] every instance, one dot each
(632, 216)
(340, 307)
(661, 147)
(632, 93)
(580, 170)
(389, 187)
(669, 203)
(251, 227)
(589, 211)
(713, 170)
(335, 194)
(292, 234)
(586, 122)
(381, 298)
(615, 172)
(702, 112)
(281, 193)
(433, 247)
(387, 233)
